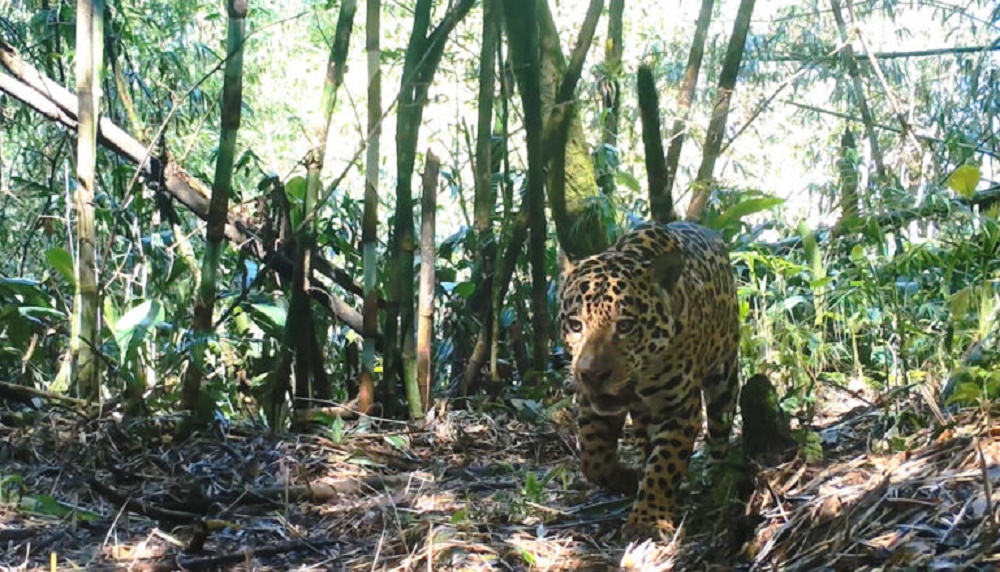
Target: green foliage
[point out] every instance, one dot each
(398, 442)
(812, 447)
(728, 218)
(883, 300)
(337, 430)
(133, 328)
(964, 180)
(10, 487)
(534, 488)
(973, 386)
(268, 317)
(881, 307)
(27, 311)
(46, 505)
(460, 516)
(528, 409)
(62, 262)
(526, 556)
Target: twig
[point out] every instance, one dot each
(216, 562)
(885, 55)
(766, 101)
(991, 523)
(430, 547)
(139, 507)
(777, 501)
(893, 102)
(25, 392)
(18, 534)
(891, 128)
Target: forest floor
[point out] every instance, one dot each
(887, 485)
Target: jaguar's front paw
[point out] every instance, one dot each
(640, 527)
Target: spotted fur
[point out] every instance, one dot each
(652, 324)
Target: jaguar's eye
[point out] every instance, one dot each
(624, 326)
(574, 325)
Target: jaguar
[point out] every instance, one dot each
(652, 327)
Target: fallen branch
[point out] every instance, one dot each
(247, 555)
(124, 500)
(18, 534)
(25, 393)
(218, 561)
(315, 492)
(324, 414)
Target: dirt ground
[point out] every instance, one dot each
(894, 485)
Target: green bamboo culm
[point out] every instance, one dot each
(218, 210)
(86, 302)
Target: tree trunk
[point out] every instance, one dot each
(607, 157)
(301, 355)
(580, 226)
(423, 54)
(556, 136)
(847, 168)
(613, 69)
(847, 55)
(420, 403)
(501, 160)
(401, 241)
(369, 224)
(86, 318)
(686, 96)
(876, 67)
(720, 113)
(661, 202)
(301, 346)
(485, 242)
(53, 46)
(522, 25)
(218, 211)
(506, 264)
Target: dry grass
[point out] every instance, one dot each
(471, 491)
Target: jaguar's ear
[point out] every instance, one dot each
(666, 270)
(565, 264)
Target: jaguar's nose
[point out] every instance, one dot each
(595, 377)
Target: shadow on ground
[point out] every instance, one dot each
(471, 491)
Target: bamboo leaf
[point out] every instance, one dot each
(964, 180)
(132, 328)
(269, 317)
(61, 261)
(746, 208)
(625, 179)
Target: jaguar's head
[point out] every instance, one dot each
(615, 317)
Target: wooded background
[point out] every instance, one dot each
(255, 209)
